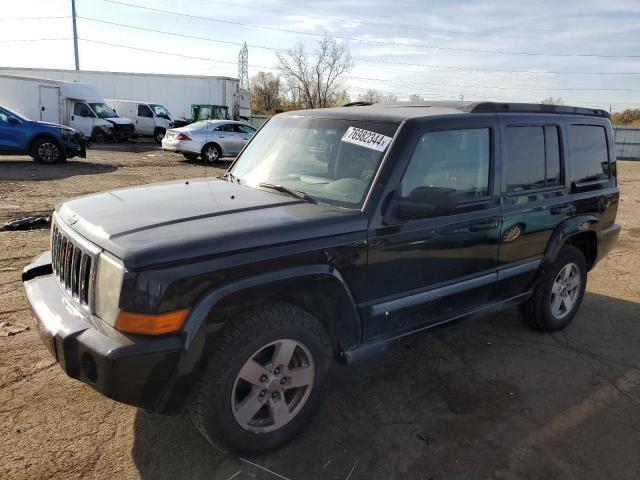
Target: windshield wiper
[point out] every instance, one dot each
(289, 191)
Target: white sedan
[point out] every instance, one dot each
(209, 139)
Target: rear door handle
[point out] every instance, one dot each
(562, 209)
(486, 224)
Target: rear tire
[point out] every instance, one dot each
(558, 295)
(211, 153)
(47, 151)
(190, 156)
(275, 346)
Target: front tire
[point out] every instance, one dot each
(99, 136)
(557, 297)
(265, 379)
(158, 135)
(47, 151)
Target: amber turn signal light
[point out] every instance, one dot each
(146, 324)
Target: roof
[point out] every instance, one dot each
(399, 111)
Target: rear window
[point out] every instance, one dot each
(590, 156)
(533, 158)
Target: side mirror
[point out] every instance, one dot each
(408, 209)
(13, 121)
(425, 202)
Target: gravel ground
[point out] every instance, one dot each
(486, 399)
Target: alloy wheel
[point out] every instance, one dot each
(565, 290)
(272, 386)
(48, 152)
(211, 154)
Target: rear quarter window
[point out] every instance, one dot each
(589, 153)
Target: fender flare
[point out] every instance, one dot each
(195, 333)
(565, 230)
(201, 310)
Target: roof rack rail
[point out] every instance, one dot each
(496, 107)
(357, 104)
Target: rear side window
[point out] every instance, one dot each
(533, 158)
(590, 156)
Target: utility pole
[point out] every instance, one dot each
(75, 34)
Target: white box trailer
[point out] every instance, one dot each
(76, 105)
(176, 92)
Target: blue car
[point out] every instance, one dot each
(45, 142)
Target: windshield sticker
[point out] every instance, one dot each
(367, 139)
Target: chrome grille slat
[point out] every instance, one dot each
(74, 261)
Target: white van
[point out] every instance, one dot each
(150, 119)
(76, 105)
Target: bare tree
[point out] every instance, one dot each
(265, 93)
(416, 98)
(316, 79)
(376, 96)
(552, 101)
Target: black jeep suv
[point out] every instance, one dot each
(332, 233)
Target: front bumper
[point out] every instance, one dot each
(74, 147)
(127, 368)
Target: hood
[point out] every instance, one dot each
(174, 221)
(54, 125)
(119, 121)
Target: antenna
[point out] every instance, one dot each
(243, 67)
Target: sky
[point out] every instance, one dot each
(585, 52)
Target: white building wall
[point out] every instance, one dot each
(175, 92)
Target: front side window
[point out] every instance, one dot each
(590, 157)
(81, 110)
(144, 111)
(331, 160)
(450, 166)
(533, 158)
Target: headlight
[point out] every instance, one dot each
(107, 288)
(66, 132)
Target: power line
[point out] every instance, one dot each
(370, 41)
(357, 78)
(365, 60)
(398, 26)
(191, 57)
(520, 87)
(33, 18)
(13, 40)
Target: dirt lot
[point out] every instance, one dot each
(487, 399)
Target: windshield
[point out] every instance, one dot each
(102, 110)
(331, 160)
(14, 114)
(160, 111)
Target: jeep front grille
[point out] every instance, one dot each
(74, 262)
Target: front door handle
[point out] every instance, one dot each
(486, 224)
(562, 209)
